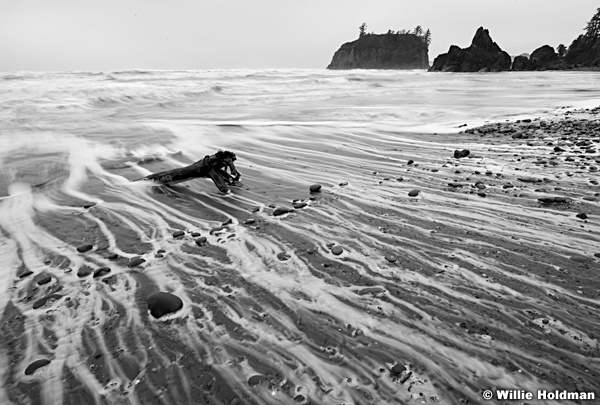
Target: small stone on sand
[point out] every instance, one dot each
(35, 365)
(249, 221)
(582, 215)
(413, 193)
(299, 205)
(135, 261)
(201, 240)
(281, 210)
(101, 271)
(162, 303)
(84, 248)
(391, 258)
(178, 234)
(337, 250)
(315, 188)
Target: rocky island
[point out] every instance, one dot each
(400, 50)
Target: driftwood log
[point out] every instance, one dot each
(212, 166)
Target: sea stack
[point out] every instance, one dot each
(484, 55)
(385, 51)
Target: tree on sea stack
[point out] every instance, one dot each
(561, 50)
(593, 26)
(585, 49)
(362, 30)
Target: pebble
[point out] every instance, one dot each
(315, 188)
(216, 230)
(30, 369)
(113, 256)
(42, 301)
(43, 279)
(461, 153)
(582, 215)
(102, 271)
(281, 210)
(554, 200)
(162, 303)
(84, 271)
(481, 194)
(201, 240)
(413, 193)
(337, 250)
(249, 221)
(410, 162)
(178, 234)
(480, 185)
(195, 234)
(391, 258)
(343, 184)
(135, 261)
(84, 248)
(299, 205)
(283, 256)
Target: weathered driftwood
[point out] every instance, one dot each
(212, 166)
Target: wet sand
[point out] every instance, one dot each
(483, 280)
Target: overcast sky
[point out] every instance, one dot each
(102, 35)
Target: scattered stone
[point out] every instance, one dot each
(413, 193)
(195, 234)
(455, 185)
(481, 194)
(162, 303)
(337, 250)
(391, 258)
(255, 380)
(159, 255)
(84, 248)
(135, 261)
(582, 215)
(283, 256)
(461, 153)
(42, 279)
(315, 188)
(480, 185)
(178, 234)
(217, 229)
(299, 205)
(113, 256)
(249, 221)
(84, 271)
(90, 205)
(281, 210)
(228, 222)
(343, 184)
(31, 368)
(559, 149)
(529, 179)
(554, 200)
(201, 240)
(102, 271)
(42, 301)
(410, 162)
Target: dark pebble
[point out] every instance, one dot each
(410, 162)
(481, 194)
(228, 222)
(413, 193)
(582, 215)
(201, 240)
(337, 250)
(398, 369)
(299, 205)
(135, 261)
(216, 230)
(86, 206)
(480, 185)
(249, 221)
(554, 200)
(159, 255)
(597, 255)
(391, 258)
(343, 183)
(281, 210)
(315, 188)
(102, 271)
(461, 153)
(195, 234)
(42, 301)
(162, 303)
(84, 271)
(255, 380)
(84, 248)
(178, 234)
(113, 256)
(283, 256)
(42, 279)
(35, 365)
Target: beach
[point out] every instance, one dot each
(449, 250)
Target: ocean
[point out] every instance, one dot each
(269, 314)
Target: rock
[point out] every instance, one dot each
(249, 221)
(84, 271)
(281, 210)
(387, 51)
(545, 58)
(113, 256)
(216, 230)
(42, 279)
(410, 162)
(283, 256)
(32, 367)
(195, 234)
(255, 380)
(162, 303)
(480, 185)
(299, 205)
(455, 185)
(559, 149)
(554, 200)
(343, 184)
(85, 248)
(529, 179)
(397, 369)
(135, 261)
(582, 215)
(481, 194)
(483, 55)
(413, 193)
(102, 271)
(461, 153)
(521, 63)
(518, 135)
(178, 234)
(201, 240)
(391, 258)
(315, 188)
(42, 301)
(337, 250)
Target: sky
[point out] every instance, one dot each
(108, 35)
